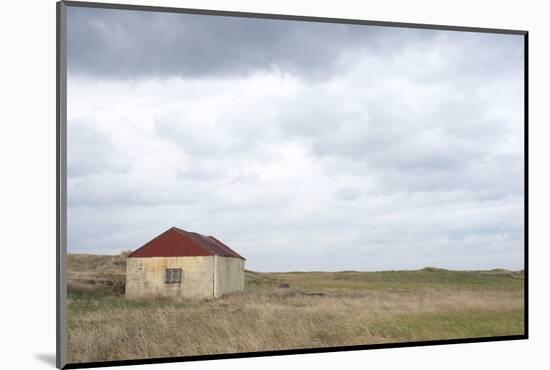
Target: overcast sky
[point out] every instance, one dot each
(303, 146)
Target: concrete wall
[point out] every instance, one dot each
(229, 275)
(202, 277)
(145, 277)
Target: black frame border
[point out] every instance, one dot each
(61, 185)
(61, 176)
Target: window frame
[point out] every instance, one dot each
(172, 276)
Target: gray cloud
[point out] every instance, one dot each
(302, 145)
(132, 44)
(347, 193)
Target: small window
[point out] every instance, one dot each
(173, 276)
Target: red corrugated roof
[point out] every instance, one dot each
(180, 243)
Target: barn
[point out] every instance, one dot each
(183, 263)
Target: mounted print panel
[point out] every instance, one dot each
(236, 184)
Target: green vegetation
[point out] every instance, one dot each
(452, 325)
(392, 280)
(318, 309)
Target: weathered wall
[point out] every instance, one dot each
(229, 275)
(146, 276)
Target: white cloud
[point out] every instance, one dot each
(399, 159)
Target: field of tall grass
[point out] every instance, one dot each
(318, 309)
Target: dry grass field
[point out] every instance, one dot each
(318, 309)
